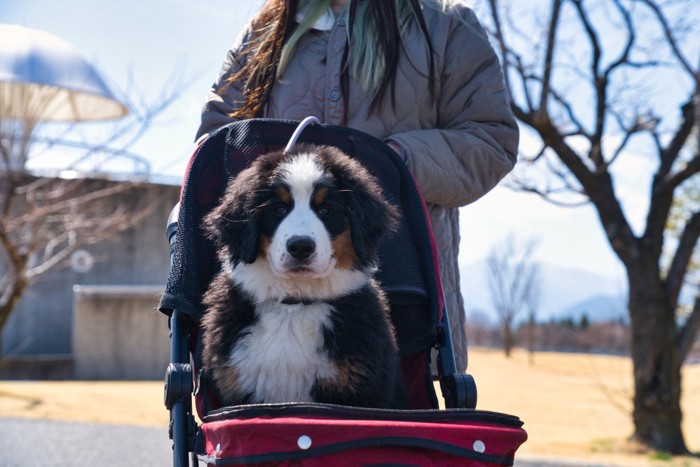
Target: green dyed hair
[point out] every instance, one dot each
(367, 63)
(375, 30)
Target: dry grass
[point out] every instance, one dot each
(137, 403)
(573, 406)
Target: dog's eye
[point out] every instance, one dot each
(281, 210)
(324, 211)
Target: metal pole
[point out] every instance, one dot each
(180, 406)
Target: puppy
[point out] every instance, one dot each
(295, 315)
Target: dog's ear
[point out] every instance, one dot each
(233, 224)
(371, 215)
(371, 218)
(234, 233)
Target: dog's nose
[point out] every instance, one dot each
(301, 247)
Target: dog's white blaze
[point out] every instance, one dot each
(301, 174)
(282, 357)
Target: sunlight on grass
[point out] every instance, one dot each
(574, 406)
(138, 403)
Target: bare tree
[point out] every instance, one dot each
(598, 82)
(46, 218)
(514, 281)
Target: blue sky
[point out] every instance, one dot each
(153, 38)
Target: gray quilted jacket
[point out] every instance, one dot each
(458, 146)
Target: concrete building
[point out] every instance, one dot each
(118, 282)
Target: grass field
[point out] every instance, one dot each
(574, 407)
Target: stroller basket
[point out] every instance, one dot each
(319, 435)
(316, 434)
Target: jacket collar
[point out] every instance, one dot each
(324, 23)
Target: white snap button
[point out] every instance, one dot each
(304, 442)
(334, 95)
(479, 446)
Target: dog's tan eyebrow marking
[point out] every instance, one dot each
(283, 194)
(320, 195)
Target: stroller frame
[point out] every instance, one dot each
(458, 390)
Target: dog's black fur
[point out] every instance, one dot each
(358, 339)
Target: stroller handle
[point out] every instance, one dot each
(178, 375)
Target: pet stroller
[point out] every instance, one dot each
(324, 434)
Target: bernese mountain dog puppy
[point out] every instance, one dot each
(295, 315)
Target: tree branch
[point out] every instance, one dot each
(681, 259)
(671, 39)
(549, 54)
(670, 153)
(600, 83)
(689, 331)
(690, 169)
(570, 112)
(498, 33)
(506, 53)
(546, 195)
(623, 59)
(664, 185)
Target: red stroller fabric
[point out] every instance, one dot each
(322, 435)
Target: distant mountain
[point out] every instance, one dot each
(563, 292)
(598, 308)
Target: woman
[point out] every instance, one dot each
(419, 74)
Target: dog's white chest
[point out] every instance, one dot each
(282, 356)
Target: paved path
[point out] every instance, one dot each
(37, 443)
(555, 463)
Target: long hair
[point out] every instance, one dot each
(375, 29)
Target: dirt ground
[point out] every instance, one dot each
(575, 407)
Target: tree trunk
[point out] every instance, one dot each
(14, 295)
(531, 328)
(657, 367)
(507, 339)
